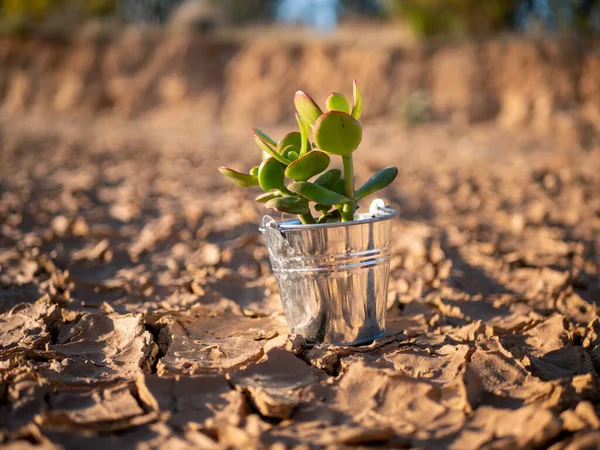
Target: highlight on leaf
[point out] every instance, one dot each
(337, 102)
(337, 133)
(241, 179)
(357, 100)
(263, 137)
(305, 145)
(290, 152)
(307, 107)
(308, 166)
(271, 151)
(293, 138)
(271, 175)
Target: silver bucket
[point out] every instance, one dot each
(333, 277)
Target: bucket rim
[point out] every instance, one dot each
(295, 224)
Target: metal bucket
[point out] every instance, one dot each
(333, 277)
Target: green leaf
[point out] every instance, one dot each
(294, 138)
(272, 152)
(333, 216)
(337, 133)
(241, 179)
(271, 174)
(322, 208)
(339, 187)
(306, 107)
(337, 102)
(378, 181)
(290, 149)
(329, 178)
(264, 137)
(308, 166)
(316, 193)
(254, 171)
(290, 204)
(357, 105)
(304, 132)
(266, 196)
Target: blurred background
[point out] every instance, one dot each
(423, 18)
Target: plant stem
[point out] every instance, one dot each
(348, 210)
(348, 176)
(306, 219)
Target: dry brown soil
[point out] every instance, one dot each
(138, 310)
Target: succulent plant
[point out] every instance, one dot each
(299, 156)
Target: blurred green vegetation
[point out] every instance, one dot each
(458, 18)
(414, 110)
(240, 11)
(473, 18)
(20, 17)
(40, 8)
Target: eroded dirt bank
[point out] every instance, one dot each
(514, 80)
(137, 306)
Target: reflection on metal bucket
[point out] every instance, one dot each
(333, 278)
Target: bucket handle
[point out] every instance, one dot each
(378, 206)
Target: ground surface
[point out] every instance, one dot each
(137, 306)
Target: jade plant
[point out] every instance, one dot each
(295, 173)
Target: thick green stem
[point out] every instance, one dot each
(348, 176)
(348, 210)
(306, 219)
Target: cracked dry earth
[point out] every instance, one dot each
(137, 307)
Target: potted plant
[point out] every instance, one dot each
(332, 271)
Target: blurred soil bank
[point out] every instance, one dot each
(516, 81)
